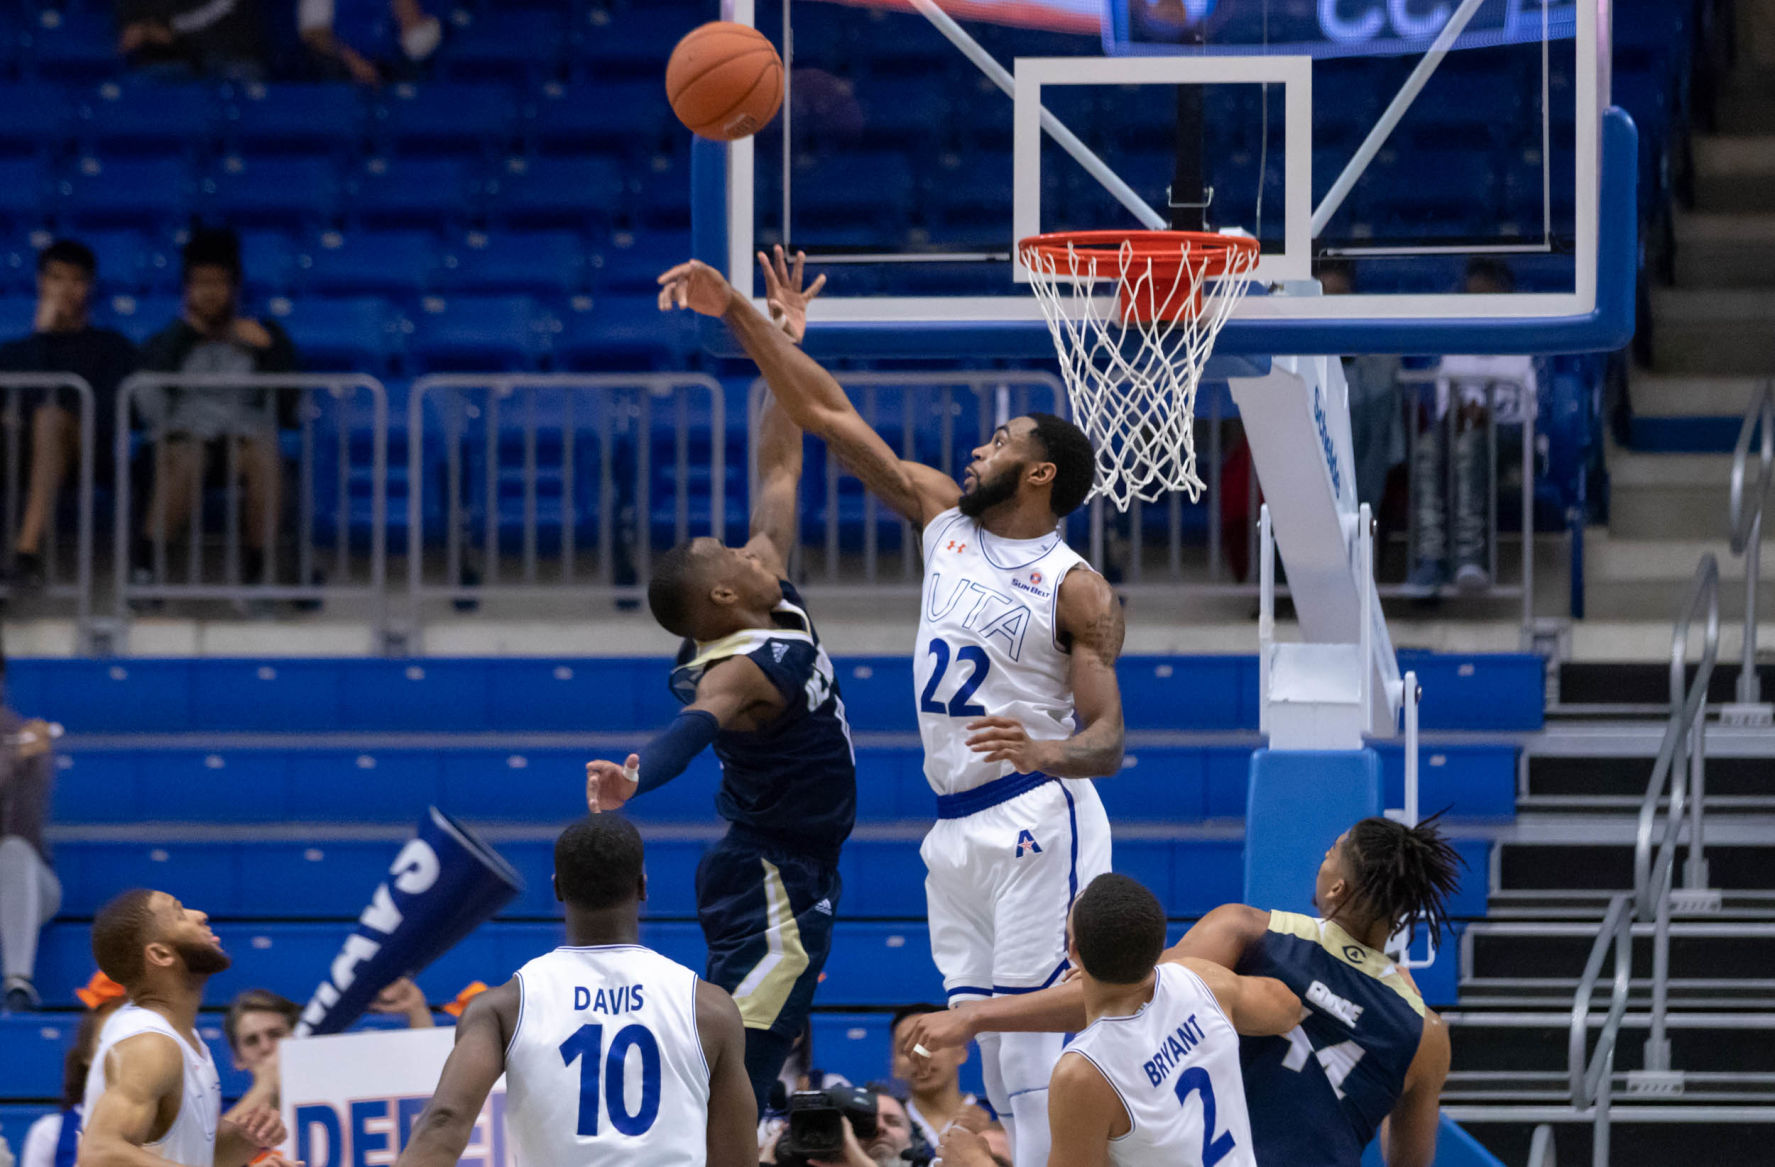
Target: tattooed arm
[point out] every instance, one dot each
(1090, 620)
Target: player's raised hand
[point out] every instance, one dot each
(1003, 740)
(782, 289)
(609, 785)
(962, 1147)
(261, 1125)
(927, 1033)
(696, 286)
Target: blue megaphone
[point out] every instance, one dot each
(443, 885)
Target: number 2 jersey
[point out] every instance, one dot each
(1318, 1093)
(988, 644)
(606, 1068)
(794, 781)
(1174, 1063)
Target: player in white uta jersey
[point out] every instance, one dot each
(1154, 1078)
(613, 1055)
(152, 1095)
(1016, 687)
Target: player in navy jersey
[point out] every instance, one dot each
(1366, 1049)
(757, 685)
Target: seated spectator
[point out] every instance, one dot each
(935, 1101)
(1451, 511)
(258, 1021)
(369, 41)
(208, 38)
(53, 1139)
(200, 423)
(30, 893)
(63, 340)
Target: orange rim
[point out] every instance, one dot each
(1213, 252)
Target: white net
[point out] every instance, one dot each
(1133, 362)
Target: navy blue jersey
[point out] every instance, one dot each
(795, 780)
(1318, 1093)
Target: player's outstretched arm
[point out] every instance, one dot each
(779, 481)
(1222, 936)
(140, 1073)
(1082, 1114)
(814, 401)
(1057, 1009)
(1257, 1006)
(1410, 1131)
(729, 689)
(733, 1113)
(475, 1063)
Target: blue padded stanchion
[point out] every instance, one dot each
(1298, 802)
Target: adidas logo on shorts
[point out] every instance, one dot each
(824, 907)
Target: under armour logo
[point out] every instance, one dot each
(1026, 842)
(958, 548)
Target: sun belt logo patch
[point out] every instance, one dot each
(1026, 842)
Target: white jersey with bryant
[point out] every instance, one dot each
(606, 1066)
(1175, 1066)
(191, 1140)
(988, 644)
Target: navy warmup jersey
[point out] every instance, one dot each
(1318, 1093)
(795, 780)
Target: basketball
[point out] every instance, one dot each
(725, 81)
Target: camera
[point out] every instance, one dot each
(816, 1123)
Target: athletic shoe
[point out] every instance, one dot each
(1426, 580)
(1470, 577)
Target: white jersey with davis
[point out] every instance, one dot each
(1175, 1066)
(988, 644)
(606, 1066)
(191, 1140)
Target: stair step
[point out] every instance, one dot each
(1725, 251)
(1714, 331)
(1609, 866)
(1724, 952)
(1645, 1134)
(1558, 992)
(1567, 905)
(1734, 1042)
(1685, 395)
(1744, 102)
(1735, 173)
(1645, 683)
(1730, 780)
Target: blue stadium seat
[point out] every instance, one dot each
(140, 317)
(619, 333)
(477, 333)
(268, 263)
(896, 109)
(146, 118)
(543, 263)
(511, 44)
(128, 261)
(38, 117)
(632, 263)
(447, 119)
(663, 201)
(427, 193)
(630, 43)
(853, 188)
(148, 194)
(614, 116)
(360, 333)
(70, 43)
(23, 187)
(18, 315)
(292, 193)
(288, 118)
(397, 264)
(578, 193)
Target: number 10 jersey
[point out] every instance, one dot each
(606, 1067)
(988, 644)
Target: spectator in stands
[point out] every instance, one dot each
(209, 38)
(53, 1139)
(369, 41)
(259, 1020)
(1377, 414)
(936, 1100)
(1451, 512)
(200, 423)
(63, 340)
(30, 893)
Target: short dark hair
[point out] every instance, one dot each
(670, 593)
(1402, 874)
(120, 931)
(68, 251)
(1075, 463)
(212, 247)
(919, 1010)
(1118, 927)
(598, 862)
(257, 1001)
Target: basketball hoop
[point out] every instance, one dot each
(1132, 369)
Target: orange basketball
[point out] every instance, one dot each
(725, 81)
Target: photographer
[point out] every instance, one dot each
(847, 1127)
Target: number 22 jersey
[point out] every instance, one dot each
(606, 1068)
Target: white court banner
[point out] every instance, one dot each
(351, 1100)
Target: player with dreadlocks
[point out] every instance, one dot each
(1366, 1049)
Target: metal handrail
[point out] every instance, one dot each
(1747, 525)
(1592, 1079)
(1541, 1149)
(83, 549)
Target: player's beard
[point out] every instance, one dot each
(989, 493)
(204, 960)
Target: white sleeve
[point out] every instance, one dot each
(312, 14)
(40, 1141)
